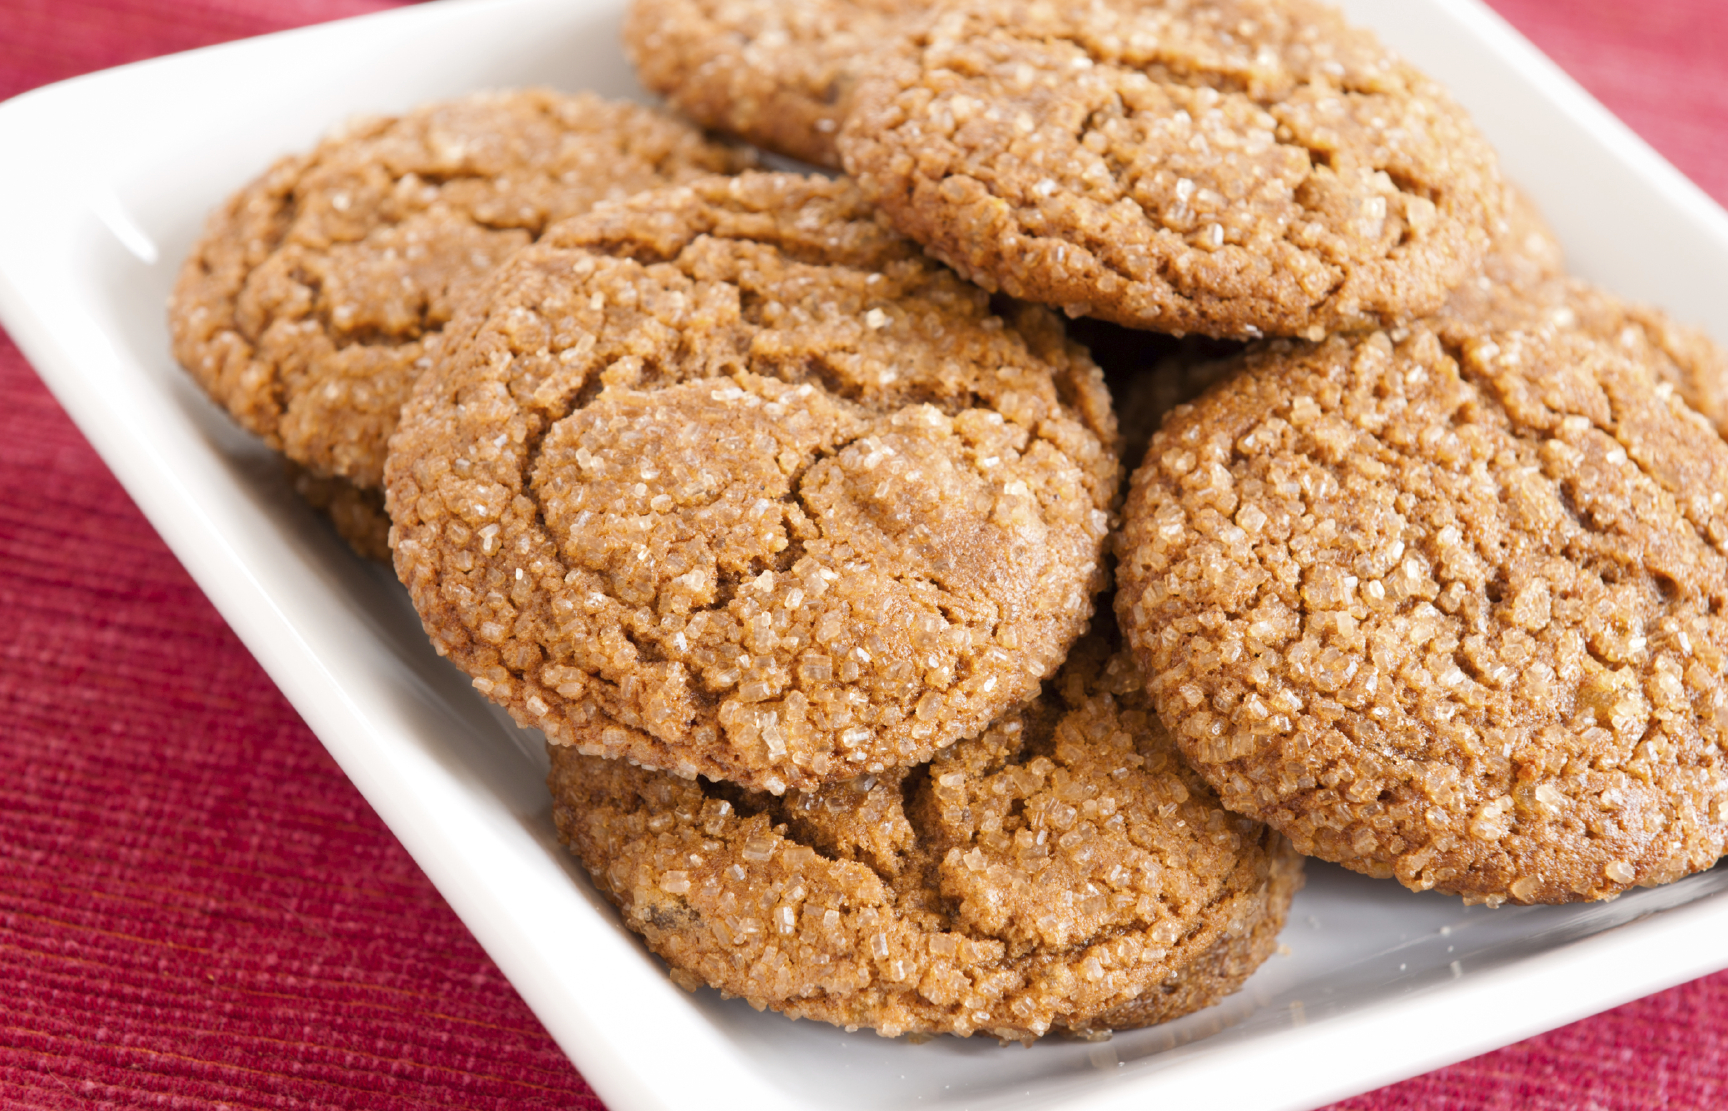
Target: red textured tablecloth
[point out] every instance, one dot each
(197, 908)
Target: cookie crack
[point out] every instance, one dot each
(1164, 72)
(1614, 427)
(342, 338)
(811, 834)
(536, 226)
(440, 178)
(1680, 505)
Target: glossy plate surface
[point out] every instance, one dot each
(1379, 983)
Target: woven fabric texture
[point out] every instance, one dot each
(198, 910)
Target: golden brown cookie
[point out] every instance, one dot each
(732, 479)
(318, 292)
(1524, 283)
(1150, 374)
(1450, 606)
(1683, 359)
(1065, 868)
(1230, 168)
(775, 73)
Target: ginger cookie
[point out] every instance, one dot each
(1683, 359)
(731, 479)
(1063, 869)
(318, 292)
(1149, 375)
(1232, 169)
(779, 75)
(1449, 605)
(1524, 284)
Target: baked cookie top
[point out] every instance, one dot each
(1230, 168)
(1063, 866)
(1524, 283)
(318, 292)
(731, 479)
(1517, 275)
(1683, 359)
(777, 74)
(1450, 606)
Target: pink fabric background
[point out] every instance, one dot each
(196, 907)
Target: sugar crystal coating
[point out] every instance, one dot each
(319, 291)
(731, 479)
(1065, 868)
(1683, 359)
(777, 74)
(1524, 284)
(1523, 259)
(1452, 606)
(1236, 168)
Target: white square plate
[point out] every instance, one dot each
(1379, 984)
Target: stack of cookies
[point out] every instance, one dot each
(789, 508)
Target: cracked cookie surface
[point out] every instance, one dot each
(731, 479)
(1682, 358)
(1233, 169)
(1149, 378)
(318, 292)
(1064, 868)
(776, 74)
(1452, 608)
